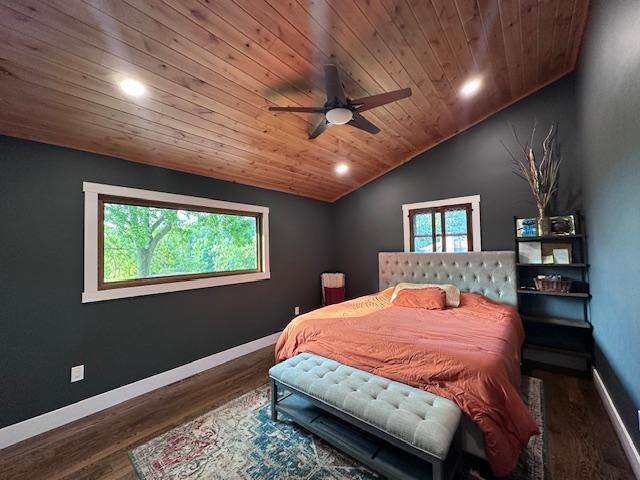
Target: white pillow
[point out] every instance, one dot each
(453, 292)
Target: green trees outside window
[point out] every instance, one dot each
(142, 242)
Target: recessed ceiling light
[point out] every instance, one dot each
(132, 87)
(471, 87)
(342, 168)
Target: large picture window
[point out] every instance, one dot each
(451, 225)
(151, 242)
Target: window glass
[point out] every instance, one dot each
(154, 242)
(441, 229)
(456, 228)
(423, 244)
(422, 224)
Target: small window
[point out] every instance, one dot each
(443, 226)
(442, 229)
(150, 242)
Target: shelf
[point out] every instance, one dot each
(529, 366)
(554, 265)
(561, 351)
(555, 294)
(550, 238)
(563, 322)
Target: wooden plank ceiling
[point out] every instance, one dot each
(212, 68)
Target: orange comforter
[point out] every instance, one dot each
(469, 354)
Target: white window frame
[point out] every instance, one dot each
(91, 292)
(474, 200)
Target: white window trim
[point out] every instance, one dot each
(91, 292)
(474, 200)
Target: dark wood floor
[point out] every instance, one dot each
(582, 443)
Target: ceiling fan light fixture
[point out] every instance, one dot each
(471, 87)
(339, 116)
(342, 168)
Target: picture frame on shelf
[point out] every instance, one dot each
(549, 253)
(530, 253)
(561, 256)
(563, 225)
(526, 227)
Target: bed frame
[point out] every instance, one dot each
(492, 274)
(489, 273)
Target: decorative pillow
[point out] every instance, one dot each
(453, 293)
(429, 298)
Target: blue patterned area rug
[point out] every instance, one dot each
(239, 441)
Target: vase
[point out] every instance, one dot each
(544, 223)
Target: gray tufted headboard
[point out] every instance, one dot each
(492, 274)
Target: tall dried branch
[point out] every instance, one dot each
(542, 176)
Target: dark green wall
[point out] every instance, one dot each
(369, 220)
(45, 329)
(609, 112)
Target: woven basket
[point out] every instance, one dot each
(553, 285)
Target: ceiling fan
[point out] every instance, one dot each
(340, 110)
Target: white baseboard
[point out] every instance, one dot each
(48, 421)
(628, 446)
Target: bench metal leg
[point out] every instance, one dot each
(452, 464)
(438, 470)
(274, 400)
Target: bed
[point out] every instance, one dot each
(469, 354)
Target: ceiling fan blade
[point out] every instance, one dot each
(362, 123)
(321, 127)
(297, 109)
(333, 85)
(367, 103)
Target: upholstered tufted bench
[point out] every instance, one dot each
(406, 419)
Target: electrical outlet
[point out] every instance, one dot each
(77, 373)
(296, 310)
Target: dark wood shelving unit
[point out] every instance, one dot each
(551, 341)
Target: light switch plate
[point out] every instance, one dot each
(296, 310)
(77, 373)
